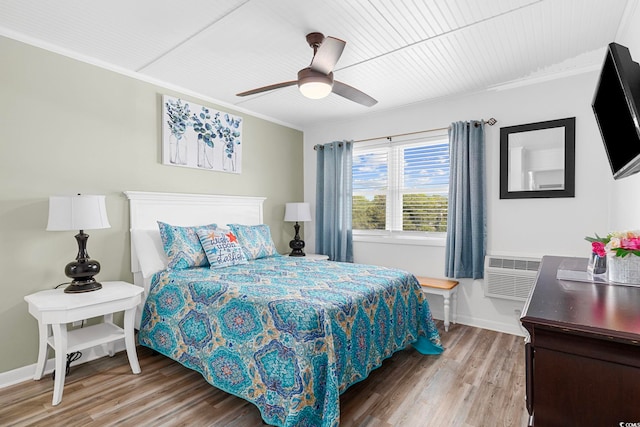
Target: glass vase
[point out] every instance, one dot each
(178, 149)
(597, 265)
(205, 155)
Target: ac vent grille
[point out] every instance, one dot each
(510, 277)
(514, 263)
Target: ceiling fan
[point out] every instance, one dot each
(316, 81)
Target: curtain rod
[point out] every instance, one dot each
(490, 122)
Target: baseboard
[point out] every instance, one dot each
(26, 373)
(507, 328)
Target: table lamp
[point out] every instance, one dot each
(81, 212)
(297, 212)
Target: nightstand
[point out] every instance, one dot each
(313, 257)
(54, 309)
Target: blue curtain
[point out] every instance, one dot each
(466, 219)
(333, 200)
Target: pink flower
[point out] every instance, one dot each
(619, 244)
(630, 243)
(598, 248)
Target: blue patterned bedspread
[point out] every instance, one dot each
(287, 334)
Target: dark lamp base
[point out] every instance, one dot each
(296, 245)
(79, 287)
(82, 271)
(297, 252)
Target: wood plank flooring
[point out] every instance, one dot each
(478, 381)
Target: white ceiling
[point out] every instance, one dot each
(400, 52)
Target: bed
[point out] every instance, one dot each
(285, 333)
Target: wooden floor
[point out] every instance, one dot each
(478, 381)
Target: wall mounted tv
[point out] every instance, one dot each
(615, 105)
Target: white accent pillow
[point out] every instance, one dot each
(222, 247)
(149, 250)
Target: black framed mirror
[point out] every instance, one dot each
(537, 160)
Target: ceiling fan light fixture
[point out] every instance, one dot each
(315, 90)
(316, 81)
(314, 85)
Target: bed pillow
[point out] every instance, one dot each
(222, 247)
(182, 245)
(149, 251)
(255, 240)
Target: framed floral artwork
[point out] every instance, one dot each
(200, 137)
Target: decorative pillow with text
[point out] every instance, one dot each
(222, 247)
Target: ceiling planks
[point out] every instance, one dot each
(399, 52)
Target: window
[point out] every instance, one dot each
(401, 186)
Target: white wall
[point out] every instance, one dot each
(528, 227)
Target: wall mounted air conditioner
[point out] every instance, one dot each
(509, 277)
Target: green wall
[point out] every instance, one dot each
(69, 127)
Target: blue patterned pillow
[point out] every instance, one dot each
(222, 247)
(182, 245)
(255, 240)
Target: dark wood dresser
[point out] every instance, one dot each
(583, 352)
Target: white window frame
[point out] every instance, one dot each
(393, 233)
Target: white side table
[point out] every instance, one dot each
(54, 309)
(313, 257)
(447, 289)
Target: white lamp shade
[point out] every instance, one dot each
(297, 212)
(81, 212)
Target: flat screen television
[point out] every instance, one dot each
(615, 105)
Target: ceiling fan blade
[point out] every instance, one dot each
(353, 94)
(267, 88)
(327, 55)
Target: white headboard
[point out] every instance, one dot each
(146, 208)
(191, 209)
